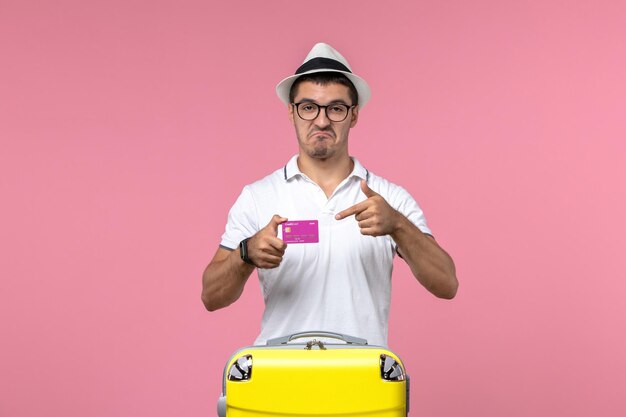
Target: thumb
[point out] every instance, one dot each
(275, 221)
(367, 190)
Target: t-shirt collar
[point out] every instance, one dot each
(291, 170)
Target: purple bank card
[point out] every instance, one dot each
(301, 231)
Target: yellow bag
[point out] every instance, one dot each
(314, 378)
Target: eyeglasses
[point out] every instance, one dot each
(335, 112)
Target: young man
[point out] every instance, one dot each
(339, 280)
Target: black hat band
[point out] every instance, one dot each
(322, 63)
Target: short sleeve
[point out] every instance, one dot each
(405, 204)
(242, 220)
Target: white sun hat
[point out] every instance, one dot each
(324, 58)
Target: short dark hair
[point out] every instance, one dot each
(325, 78)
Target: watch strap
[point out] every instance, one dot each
(243, 252)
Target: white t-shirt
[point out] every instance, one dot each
(341, 284)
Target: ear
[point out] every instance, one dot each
(355, 116)
(290, 110)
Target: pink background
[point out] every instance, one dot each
(128, 128)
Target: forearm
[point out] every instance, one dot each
(223, 279)
(430, 264)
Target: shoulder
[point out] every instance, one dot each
(400, 199)
(253, 193)
(269, 182)
(390, 191)
(381, 185)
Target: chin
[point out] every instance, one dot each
(323, 153)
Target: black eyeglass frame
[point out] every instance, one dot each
(320, 107)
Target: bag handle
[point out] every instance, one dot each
(351, 340)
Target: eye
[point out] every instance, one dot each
(337, 108)
(308, 107)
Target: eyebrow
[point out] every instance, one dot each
(339, 101)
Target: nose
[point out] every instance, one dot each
(322, 120)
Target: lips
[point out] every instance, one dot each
(322, 133)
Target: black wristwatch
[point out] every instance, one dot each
(243, 252)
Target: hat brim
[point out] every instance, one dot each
(284, 87)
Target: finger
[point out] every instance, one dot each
(269, 262)
(266, 257)
(266, 243)
(370, 231)
(355, 209)
(367, 190)
(365, 224)
(365, 214)
(271, 259)
(276, 245)
(275, 221)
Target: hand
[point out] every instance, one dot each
(265, 249)
(375, 216)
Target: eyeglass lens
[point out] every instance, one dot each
(334, 112)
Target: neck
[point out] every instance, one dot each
(327, 173)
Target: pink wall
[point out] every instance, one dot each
(127, 132)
